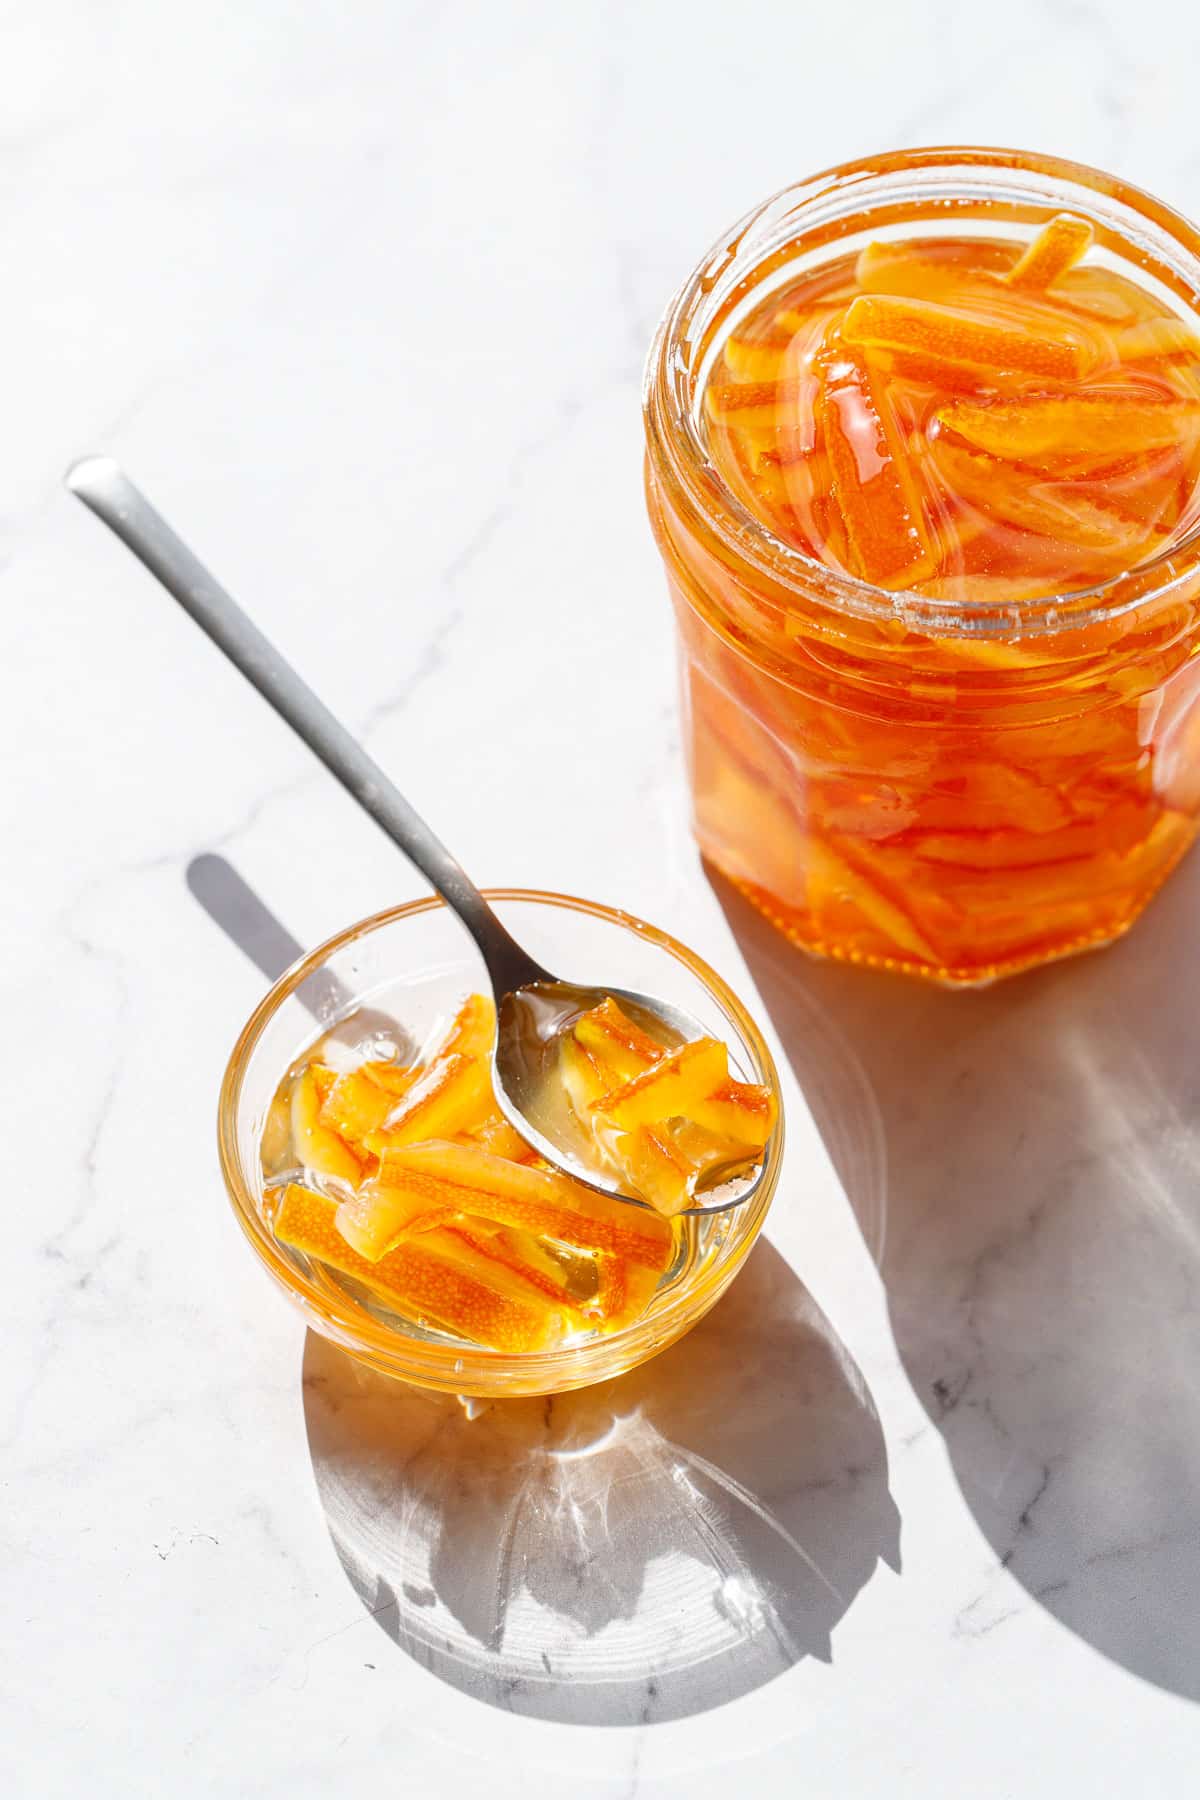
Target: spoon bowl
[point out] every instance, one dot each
(531, 1022)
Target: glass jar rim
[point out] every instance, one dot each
(1165, 241)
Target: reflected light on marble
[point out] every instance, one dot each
(1040, 1144)
(636, 1551)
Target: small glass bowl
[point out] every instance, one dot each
(413, 964)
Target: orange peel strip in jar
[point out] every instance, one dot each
(1058, 246)
(922, 271)
(947, 336)
(756, 362)
(1154, 340)
(751, 409)
(1080, 430)
(447, 1280)
(1054, 510)
(872, 482)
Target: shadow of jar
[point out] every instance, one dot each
(1024, 1164)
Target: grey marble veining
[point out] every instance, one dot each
(361, 295)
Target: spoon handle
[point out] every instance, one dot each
(109, 493)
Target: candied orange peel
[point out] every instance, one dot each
(995, 423)
(1057, 247)
(871, 477)
(826, 407)
(452, 1278)
(418, 1188)
(954, 338)
(453, 1094)
(1076, 432)
(668, 1119)
(319, 1147)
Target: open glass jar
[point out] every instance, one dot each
(953, 787)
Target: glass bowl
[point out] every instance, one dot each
(413, 964)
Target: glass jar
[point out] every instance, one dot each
(952, 788)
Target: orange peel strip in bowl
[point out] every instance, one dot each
(623, 1292)
(355, 1106)
(671, 1089)
(713, 1156)
(948, 336)
(872, 480)
(656, 1169)
(584, 1077)
(395, 1078)
(739, 1111)
(616, 1041)
(447, 1280)
(473, 1031)
(502, 1139)
(1058, 246)
(316, 1146)
(520, 1254)
(588, 1081)
(398, 1203)
(453, 1094)
(540, 1201)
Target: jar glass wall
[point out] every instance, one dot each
(957, 788)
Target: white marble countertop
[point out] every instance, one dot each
(361, 296)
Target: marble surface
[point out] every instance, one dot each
(361, 296)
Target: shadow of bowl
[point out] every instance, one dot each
(1024, 1162)
(636, 1551)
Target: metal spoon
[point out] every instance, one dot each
(533, 1006)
